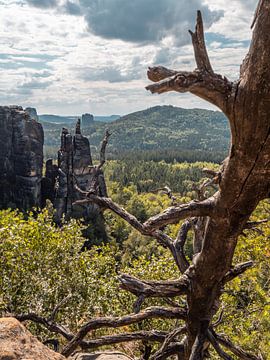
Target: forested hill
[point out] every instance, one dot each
(158, 131)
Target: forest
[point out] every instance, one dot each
(43, 266)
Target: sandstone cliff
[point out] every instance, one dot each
(21, 158)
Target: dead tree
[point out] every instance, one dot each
(243, 181)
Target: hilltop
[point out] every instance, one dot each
(160, 129)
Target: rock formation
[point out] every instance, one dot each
(21, 158)
(87, 119)
(17, 343)
(74, 167)
(32, 112)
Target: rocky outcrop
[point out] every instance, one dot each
(32, 112)
(74, 167)
(17, 343)
(21, 158)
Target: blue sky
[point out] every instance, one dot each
(75, 56)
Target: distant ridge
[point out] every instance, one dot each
(160, 129)
(57, 119)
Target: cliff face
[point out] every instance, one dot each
(21, 157)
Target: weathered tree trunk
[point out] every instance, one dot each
(245, 179)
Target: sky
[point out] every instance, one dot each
(69, 57)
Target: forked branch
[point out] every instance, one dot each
(166, 288)
(237, 270)
(200, 51)
(176, 213)
(112, 322)
(202, 82)
(236, 350)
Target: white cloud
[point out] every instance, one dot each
(50, 60)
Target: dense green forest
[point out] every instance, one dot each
(40, 265)
(159, 133)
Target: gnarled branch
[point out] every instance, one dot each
(103, 149)
(114, 322)
(150, 227)
(236, 350)
(237, 270)
(200, 51)
(202, 82)
(176, 213)
(153, 335)
(173, 349)
(169, 338)
(217, 347)
(179, 244)
(166, 288)
(48, 324)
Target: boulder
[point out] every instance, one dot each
(17, 343)
(108, 355)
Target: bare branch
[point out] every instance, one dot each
(138, 303)
(201, 56)
(237, 270)
(114, 322)
(58, 306)
(180, 243)
(253, 226)
(106, 203)
(210, 172)
(169, 338)
(217, 347)
(166, 190)
(180, 212)
(202, 82)
(153, 335)
(103, 149)
(169, 288)
(50, 325)
(158, 73)
(172, 349)
(211, 87)
(236, 350)
(219, 320)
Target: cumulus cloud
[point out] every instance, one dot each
(137, 21)
(145, 21)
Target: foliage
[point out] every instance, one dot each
(148, 176)
(247, 300)
(41, 264)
